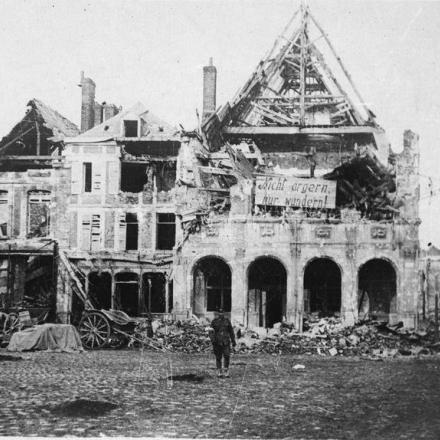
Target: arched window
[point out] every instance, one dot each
(212, 286)
(267, 292)
(322, 287)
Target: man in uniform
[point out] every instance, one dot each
(222, 334)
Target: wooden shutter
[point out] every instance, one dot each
(96, 233)
(76, 177)
(97, 176)
(113, 177)
(86, 231)
(122, 231)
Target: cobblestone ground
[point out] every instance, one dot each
(265, 397)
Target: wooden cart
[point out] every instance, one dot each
(105, 328)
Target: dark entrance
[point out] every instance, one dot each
(322, 287)
(127, 293)
(377, 289)
(267, 281)
(212, 285)
(154, 292)
(100, 289)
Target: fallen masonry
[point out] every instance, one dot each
(322, 336)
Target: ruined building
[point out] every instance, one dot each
(31, 176)
(120, 210)
(291, 200)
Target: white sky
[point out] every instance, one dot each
(153, 51)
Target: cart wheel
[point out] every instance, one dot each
(94, 330)
(11, 324)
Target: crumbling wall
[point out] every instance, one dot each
(407, 177)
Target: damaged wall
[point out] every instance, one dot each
(350, 242)
(116, 232)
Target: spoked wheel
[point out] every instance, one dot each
(94, 330)
(9, 324)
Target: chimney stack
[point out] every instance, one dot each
(87, 103)
(209, 90)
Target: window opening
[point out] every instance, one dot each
(39, 214)
(131, 232)
(4, 214)
(166, 231)
(87, 177)
(131, 128)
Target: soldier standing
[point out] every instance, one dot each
(222, 335)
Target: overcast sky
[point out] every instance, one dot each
(154, 51)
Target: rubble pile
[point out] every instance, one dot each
(182, 336)
(322, 336)
(328, 336)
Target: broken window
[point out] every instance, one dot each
(166, 231)
(39, 287)
(133, 177)
(131, 128)
(4, 214)
(87, 176)
(267, 281)
(322, 287)
(212, 285)
(127, 293)
(39, 213)
(165, 173)
(131, 231)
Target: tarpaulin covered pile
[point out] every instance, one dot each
(49, 337)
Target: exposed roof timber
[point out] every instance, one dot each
(293, 68)
(300, 130)
(149, 159)
(338, 58)
(40, 131)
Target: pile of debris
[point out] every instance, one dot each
(328, 336)
(322, 336)
(182, 336)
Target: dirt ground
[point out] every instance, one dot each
(131, 393)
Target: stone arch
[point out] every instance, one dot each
(211, 285)
(322, 281)
(267, 291)
(377, 289)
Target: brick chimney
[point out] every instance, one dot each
(109, 110)
(209, 90)
(87, 103)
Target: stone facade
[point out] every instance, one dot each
(240, 238)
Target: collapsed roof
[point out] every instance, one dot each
(300, 89)
(38, 133)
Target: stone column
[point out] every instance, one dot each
(348, 294)
(181, 289)
(291, 292)
(239, 293)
